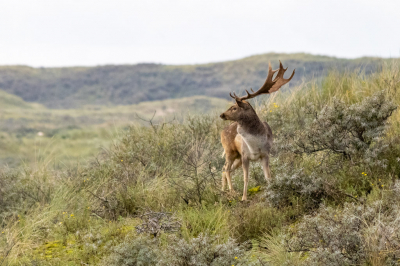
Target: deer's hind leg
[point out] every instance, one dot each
(229, 168)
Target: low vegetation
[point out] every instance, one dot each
(153, 197)
(75, 87)
(33, 134)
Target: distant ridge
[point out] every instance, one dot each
(72, 87)
(10, 101)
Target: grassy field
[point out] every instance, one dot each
(153, 196)
(31, 133)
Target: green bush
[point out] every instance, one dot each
(180, 162)
(349, 130)
(325, 151)
(357, 234)
(133, 252)
(204, 250)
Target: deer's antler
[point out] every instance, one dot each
(269, 84)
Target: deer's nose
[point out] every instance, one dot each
(222, 116)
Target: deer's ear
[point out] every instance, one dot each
(241, 104)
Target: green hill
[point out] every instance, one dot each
(72, 87)
(10, 101)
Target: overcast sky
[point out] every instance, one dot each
(98, 32)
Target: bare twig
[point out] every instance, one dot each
(149, 121)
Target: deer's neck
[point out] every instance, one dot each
(251, 124)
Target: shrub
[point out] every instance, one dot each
(325, 151)
(178, 161)
(197, 177)
(290, 185)
(353, 235)
(204, 250)
(133, 252)
(330, 237)
(340, 128)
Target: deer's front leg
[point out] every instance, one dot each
(234, 166)
(227, 175)
(245, 164)
(265, 166)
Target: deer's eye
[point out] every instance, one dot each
(234, 109)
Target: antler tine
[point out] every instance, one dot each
(279, 79)
(280, 72)
(270, 85)
(234, 96)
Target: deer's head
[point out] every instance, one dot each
(239, 111)
(242, 109)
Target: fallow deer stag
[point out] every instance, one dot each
(248, 138)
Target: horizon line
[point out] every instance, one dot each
(206, 63)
